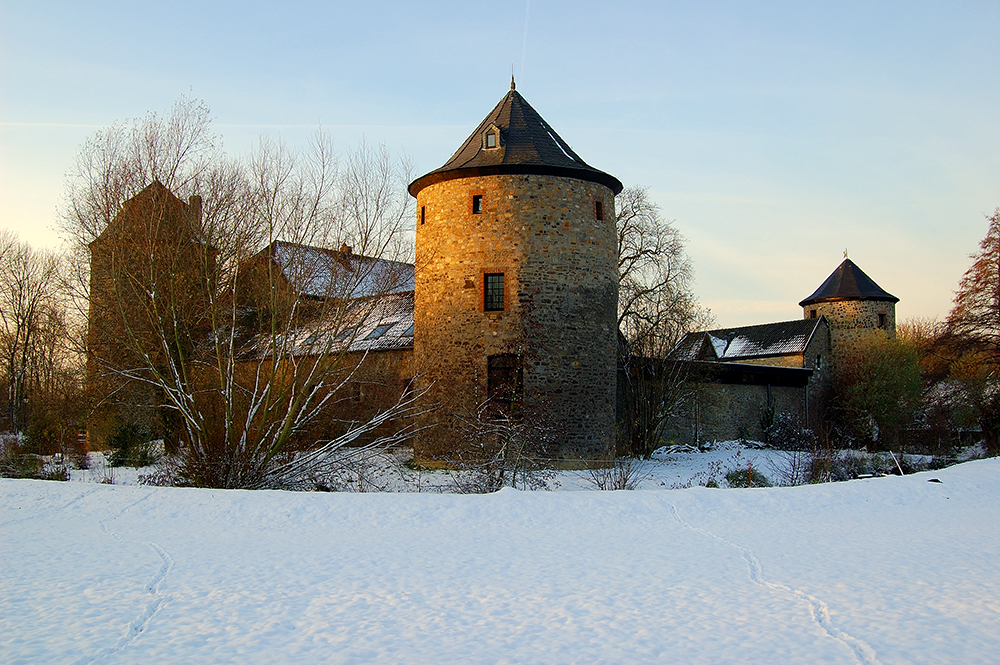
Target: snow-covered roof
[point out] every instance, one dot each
(388, 325)
(370, 301)
(374, 324)
(765, 340)
(318, 272)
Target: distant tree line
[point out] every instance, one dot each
(41, 376)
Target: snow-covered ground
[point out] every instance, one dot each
(669, 469)
(884, 570)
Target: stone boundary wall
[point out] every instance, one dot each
(724, 412)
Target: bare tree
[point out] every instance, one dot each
(28, 295)
(501, 449)
(975, 316)
(233, 314)
(656, 301)
(656, 307)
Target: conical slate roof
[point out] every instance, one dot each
(528, 145)
(848, 282)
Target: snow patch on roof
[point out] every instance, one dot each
(769, 339)
(325, 273)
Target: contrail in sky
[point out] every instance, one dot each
(524, 44)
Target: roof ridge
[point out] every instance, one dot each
(798, 322)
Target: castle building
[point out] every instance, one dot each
(516, 289)
(750, 373)
(507, 319)
(509, 315)
(154, 245)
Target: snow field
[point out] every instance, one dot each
(886, 570)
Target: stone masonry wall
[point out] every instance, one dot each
(818, 356)
(377, 381)
(561, 290)
(789, 360)
(853, 321)
(723, 412)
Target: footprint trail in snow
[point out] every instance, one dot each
(819, 610)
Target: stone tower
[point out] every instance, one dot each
(854, 306)
(516, 289)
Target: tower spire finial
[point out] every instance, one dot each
(512, 80)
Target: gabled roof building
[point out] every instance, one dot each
(792, 360)
(798, 343)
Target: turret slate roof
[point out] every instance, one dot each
(527, 145)
(848, 282)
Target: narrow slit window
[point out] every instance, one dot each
(493, 292)
(423, 214)
(599, 210)
(881, 320)
(477, 204)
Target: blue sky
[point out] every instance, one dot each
(775, 134)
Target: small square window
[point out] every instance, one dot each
(477, 204)
(493, 292)
(599, 210)
(491, 139)
(812, 314)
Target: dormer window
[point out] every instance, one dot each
(491, 139)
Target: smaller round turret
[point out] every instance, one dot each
(854, 306)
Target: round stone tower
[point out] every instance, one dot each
(516, 291)
(854, 306)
